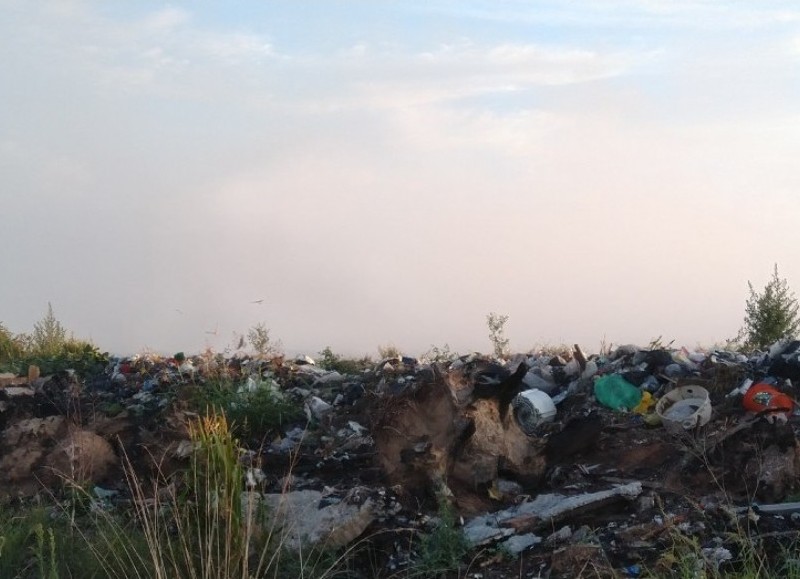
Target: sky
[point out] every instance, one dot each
(358, 174)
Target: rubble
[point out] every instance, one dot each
(542, 512)
(565, 462)
(310, 518)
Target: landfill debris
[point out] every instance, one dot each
(308, 518)
(684, 408)
(765, 398)
(617, 393)
(542, 512)
(565, 460)
(532, 408)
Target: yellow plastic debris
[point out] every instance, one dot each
(645, 404)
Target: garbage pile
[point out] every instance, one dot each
(554, 464)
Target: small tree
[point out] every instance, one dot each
(770, 315)
(496, 324)
(49, 336)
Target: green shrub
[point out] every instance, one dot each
(11, 347)
(334, 362)
(49, 348)
(770, 315)
(83, 357)
(254, 409)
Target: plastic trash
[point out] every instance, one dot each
(532, 408)
(645, 404)
(533, 380)
(684, 408)
(590, 370)
(763, 397)
(742, 389)
(617, 393)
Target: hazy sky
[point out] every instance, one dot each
(391, 172)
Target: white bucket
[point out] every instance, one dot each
(532, 408)
(684, 408)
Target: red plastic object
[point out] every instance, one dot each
(761, 397)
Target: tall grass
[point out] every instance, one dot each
(196, 527)
(203, 525)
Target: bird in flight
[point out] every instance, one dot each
(261, 301)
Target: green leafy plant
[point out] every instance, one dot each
(442, 549)
(11, 348)
(254, 407)
(49, 348)
(770, 315)
(37, 542)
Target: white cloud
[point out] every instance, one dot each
(524, 63)
(166, 20)
(392, 80)
(629, 14)
(517, 133)
(232, 47)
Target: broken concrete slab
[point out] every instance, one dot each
(307, 518)
(544, 510)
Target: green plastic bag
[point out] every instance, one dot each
(617, 393)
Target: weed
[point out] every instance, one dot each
(254, 408)
(496, 324)
(437, 355)
(35, 543)
(49, 335)
(11, 347)
(203, 525)
(259, 339)
(330, 361)
(389, 351)
(658, 344)
(46, 552)
(442, 549)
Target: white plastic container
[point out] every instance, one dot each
(532, 408)
(684, 408)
